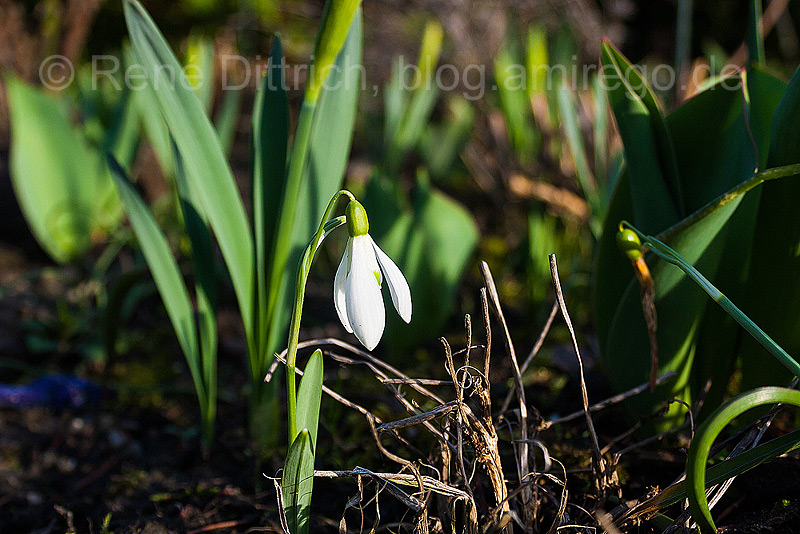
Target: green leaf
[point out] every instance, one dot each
(711, 137)
(155, 129)
(270, 143)
(567, 108)
(774, 277)
(61, 183)
(409, 125)
(309, 396)
(165, 272)
(441, 145)
(654, 181)
(755, 37)
(204, 263)
(764, 93)
(511, 78)
(298, 482)
(199, 146)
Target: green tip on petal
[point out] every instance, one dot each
(357, 222)
(629, 243)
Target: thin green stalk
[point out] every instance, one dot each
(667, 254)
(288, 210)
(325, 227)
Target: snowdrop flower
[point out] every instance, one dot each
(357, 286)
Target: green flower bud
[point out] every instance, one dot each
(628, 242)
(357, 222)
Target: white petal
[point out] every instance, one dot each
(339, 299)
(398, 287)
(364, 302)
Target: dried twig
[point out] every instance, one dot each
(534, 351)
(522, 455)
(444, 409)
(609, 401)
(598, 463)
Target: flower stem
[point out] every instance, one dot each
(668, 254)
(326, 226)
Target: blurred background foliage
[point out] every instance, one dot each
(505, 175)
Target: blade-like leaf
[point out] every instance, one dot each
(571, 124)
(298, 482)
(58, 179)
(200, 69)
(309, 396)
(755, 34)
(654, 181)
(204, 265)
(270, 141)
(200, 149)
(165, 271)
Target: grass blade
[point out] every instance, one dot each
(198, 144)
(165, 272)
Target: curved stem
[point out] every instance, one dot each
(668, 254)
(325, 227)
(704, 439)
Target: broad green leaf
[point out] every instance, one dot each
(712, 140)
(309, 396)
(197, 142)
(56, 176)
(654, 181)
(298, 482)
(774, 277)
(165, 272)
(764, 93)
